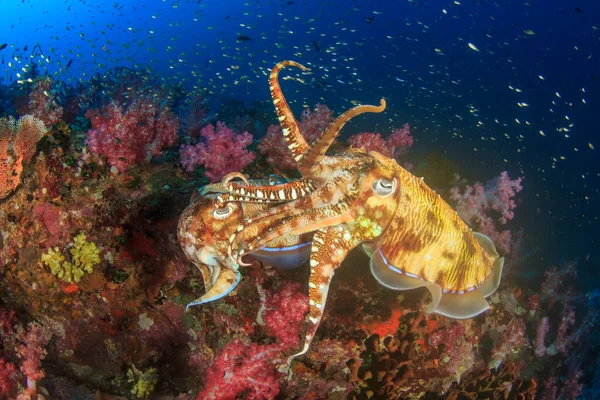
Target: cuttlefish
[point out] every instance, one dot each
(414, 238)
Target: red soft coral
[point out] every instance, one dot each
(132, 136)
(8, 385)
(243, 368)
(396, 144)
(223, 152)
(31, 349)
(284, 312)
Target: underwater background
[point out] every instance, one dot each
(499, 98)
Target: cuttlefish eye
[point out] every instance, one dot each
(384, 187)
(222, 213)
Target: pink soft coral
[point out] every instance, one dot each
(31, 349)
(396, 144)
(284, 312)
(253, 368)
(477, 204)
(243, 368)
(8, 384)
(223, 152)
(273, 147)
(134, 135)
(43, 102)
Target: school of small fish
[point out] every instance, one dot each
(451, 77)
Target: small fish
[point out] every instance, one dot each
(370, 19)
(316, 46)
(243, 38)
(579, 10)
(69, 63)
(528, 32)
(473, 47)
(3, 46)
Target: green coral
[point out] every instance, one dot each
(143, 382)
(84, 256)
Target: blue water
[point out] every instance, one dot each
(457, 71)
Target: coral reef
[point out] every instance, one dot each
(94, 284)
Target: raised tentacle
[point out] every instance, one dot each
(265, 193)
(329, 248)
(311, 159)
(289, 127)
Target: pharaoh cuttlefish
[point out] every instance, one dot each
(413, 236)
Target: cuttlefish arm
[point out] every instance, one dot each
(310, 163)
(226, 280)
(304, 215)
(312, 166)
(308, 156)
(329, 248)
(265, 193)
(289, 127)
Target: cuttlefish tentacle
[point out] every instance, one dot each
(262, 233)
(329, 248)
(265, 193)
(326, 194)
(289, 127)
(311, 159)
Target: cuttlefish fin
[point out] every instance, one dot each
(454, 305)
(285, 257)
(226, 280)
(493, 281)
(461, 306)
(393, 278)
